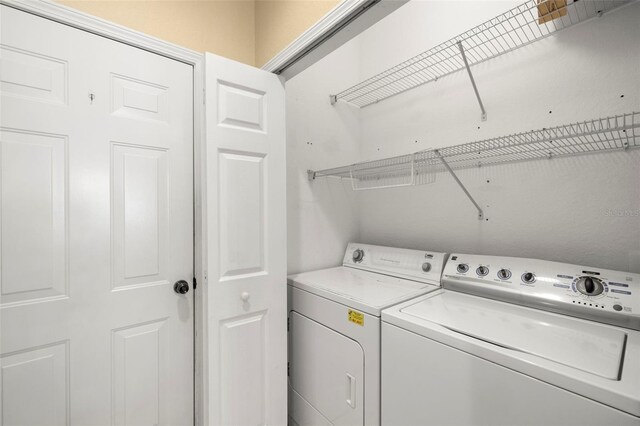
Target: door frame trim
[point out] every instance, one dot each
(74, 18)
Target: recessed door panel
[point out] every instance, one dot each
(242, 215)
(138, 100)
(242, 348)
(139, 214)
(30, 75)
(34, 238)
(241, 107)
(326, 370)
(141, 385)
(35, 386)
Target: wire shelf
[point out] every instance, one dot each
(404, 170)
(618, 132)
(524, 24)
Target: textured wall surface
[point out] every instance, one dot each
(321, 216)
(583, 209)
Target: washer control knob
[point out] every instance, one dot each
(617, 308)
(426, 266)
(463, 268)
(482, 271)
(358, 255)
(504, 274)
(528, 277)
(589, 286)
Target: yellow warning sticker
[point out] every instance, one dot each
(356, 317)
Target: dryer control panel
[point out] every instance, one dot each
(416, 265)
(602, 295)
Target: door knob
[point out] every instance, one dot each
(181, 287)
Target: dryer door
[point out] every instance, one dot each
(326, 379)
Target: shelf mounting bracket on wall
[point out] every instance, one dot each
(464, 189)
(311, 175)
(483, 117)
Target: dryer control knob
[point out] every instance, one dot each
(462, 268)
(504, 274)
(426, 266)
(358, 255)
(528, 277)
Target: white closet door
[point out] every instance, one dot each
(97, 225)
(247, 337)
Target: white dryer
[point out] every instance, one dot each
(334, 330)
(515, 342)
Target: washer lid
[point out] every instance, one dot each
(366, 291)
(580, 344)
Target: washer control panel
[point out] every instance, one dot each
(416, 265)
(603, 295)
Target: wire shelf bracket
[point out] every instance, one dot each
(460, 184)
(483, 116)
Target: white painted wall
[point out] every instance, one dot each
(560, 209)
(321, 215)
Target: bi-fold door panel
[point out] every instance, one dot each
(246, 287)
(97, 224)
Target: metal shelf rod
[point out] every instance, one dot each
(483, 117)
(460, 184)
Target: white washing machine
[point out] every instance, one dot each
(515, 342)
(334, 330)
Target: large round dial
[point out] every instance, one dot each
(589, 286)
(358, 255)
